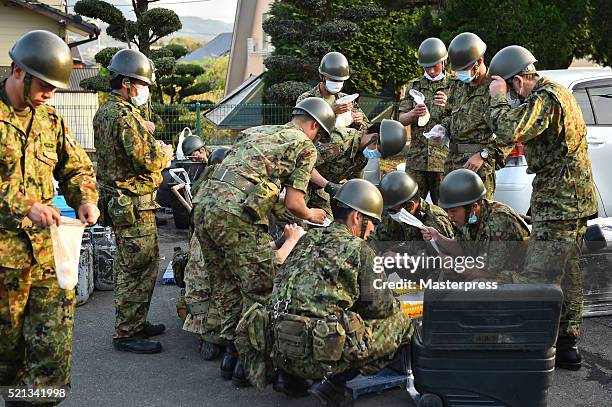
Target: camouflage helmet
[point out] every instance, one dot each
(432, 51)
(464, 50)
(320, 110)
(218, 155)
(459, 188)
(335, 66)
(397, 187)
(132, 64)
(362, 196)
(191, 144)
(392, 137)
(512, 60)
(45, 56)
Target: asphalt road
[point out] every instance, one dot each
(102, 376)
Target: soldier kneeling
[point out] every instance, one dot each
(329, 321)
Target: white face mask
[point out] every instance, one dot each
(438, 77)
(142, 96)
(333, 87)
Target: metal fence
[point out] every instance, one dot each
(217, 124)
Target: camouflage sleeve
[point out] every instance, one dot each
(373, 303)
(445, 226)
(523, 123)
(406, 105)
(366, 121)
(74, 170)
(140, 146)
(305, 159)
(504, 235)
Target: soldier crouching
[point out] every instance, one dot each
(329, 322)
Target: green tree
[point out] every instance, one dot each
(363, 30)
(600, 27)
(182, 83)
(554, 30)
(150, 26)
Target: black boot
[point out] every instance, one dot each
(333, 392)
(210, 351)
(568, 356)
(152, 330)
(291, 385)
(137, 344)
(239, 376)
(230, 358)
(401, 361)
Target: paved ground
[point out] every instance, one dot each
(178, 377)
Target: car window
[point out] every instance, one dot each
(601, 98)
(583, 100)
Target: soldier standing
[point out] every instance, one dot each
(472, 142)
(425, 158)
(129, 174)
(550, 125)
(331, 320)
(232, 217)
(333, 72)
(202, 315)
(36, 315)
(484, 228)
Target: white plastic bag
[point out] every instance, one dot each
(345, 119)
(179, 146)
(67, 251)
(438, 135)
(419, 99)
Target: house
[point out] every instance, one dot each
(18, 17)
(250, 44)
(217, 47)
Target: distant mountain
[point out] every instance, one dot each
(202, 29)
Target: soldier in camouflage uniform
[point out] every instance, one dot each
(331, 320)
(202, 316)
(468, 124)
(550, 125)
(425, 158)
(129, 175)
(36, 315)
(485, 228)
(399, 192)
(232, 217)
(333, 71)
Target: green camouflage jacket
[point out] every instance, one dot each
(500, 234)
(129, 157)
(425, 155)
(279, 154)
(553, 133)
(430, 214)
(470, 122)
(28, 163)
(330, 271)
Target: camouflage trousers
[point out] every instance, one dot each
(202, 313)
(382, 338)
(36, 319)
(239, 260)
(318, 198)
(553, 257)
(428, 182)
(135, 270)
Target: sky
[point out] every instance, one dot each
(223, 10)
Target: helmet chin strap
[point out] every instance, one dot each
(27, 84)
(364, 226)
